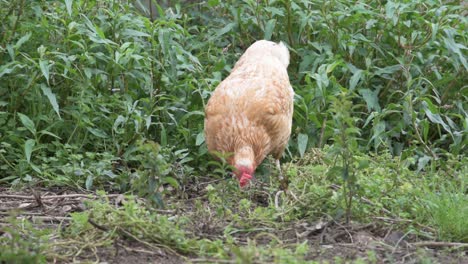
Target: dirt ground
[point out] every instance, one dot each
(49, 208)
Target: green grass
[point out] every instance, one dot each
(447, 211)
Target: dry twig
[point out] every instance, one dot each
(439, 244)
(75, 195)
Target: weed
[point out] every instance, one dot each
(22, 243)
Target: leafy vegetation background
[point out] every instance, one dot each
(96, 95)
(87, 86)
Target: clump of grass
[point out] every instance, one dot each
(448, 211)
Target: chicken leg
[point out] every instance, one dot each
(284, 182)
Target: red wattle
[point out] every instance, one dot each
(244, 179)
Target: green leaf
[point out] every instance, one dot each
(225, 29)
(97, 132)
(9, 68)
(355, 79)
(68, 4)
(163, 37)
(52, 99)
(424, 128)
(363, 164)
(22, 40)
(213, 3)
(336, 171)
(35, 168)
(331, 67)
(118, 121)
(455, 48)
(28, 148)
(8, 178)
(434, 117)
(387, 70)
(371, 99)
(135, 33)
(27, 123)
(423, 161)
(163, 136)
(377, 134)
(302, 143)
(160, 10)
(44, 132)
(200, 138)
(275, 11)
(44, 65)
(171, 181)
(269, 27)
(89, 182)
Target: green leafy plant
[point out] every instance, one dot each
(22, 243)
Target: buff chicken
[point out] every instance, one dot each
(249, 115)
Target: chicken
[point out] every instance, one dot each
(249, 115)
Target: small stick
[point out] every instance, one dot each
(439, 244)
(142, 251)
(207, 260)
(96, 225)
(75, 195)
(399, 220)
(47, 218)
(11, 210)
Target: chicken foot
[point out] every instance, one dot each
(284, 181)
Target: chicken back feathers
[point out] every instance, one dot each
(250, 112)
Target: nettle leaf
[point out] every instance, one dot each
(355, 79)
(434, 117)
(134, 33)
(163, 136)
(274, 11)
(52, 98)
(387, 70)
(336, 171)
(117, 123)
(28, 148)
(148, 122)
(97, 132)
(9, 68)
(302, 140)
(225, 29)
(371, 99)
(423, 161)
(44, 65)
(45, 132)
(213, 3)
(377, 134)
(22, 40)
(200, 138)
(455, 48)
(171, 181)
(269, 27)
(68, 4)
(89, 182)
(27, 123)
